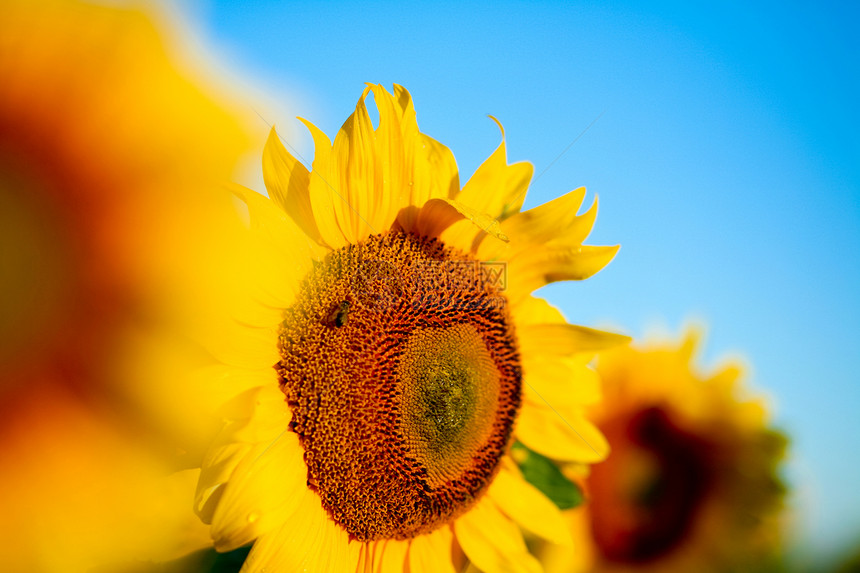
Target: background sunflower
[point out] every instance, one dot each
(692, 481)
(109, 154)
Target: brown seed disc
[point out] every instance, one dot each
(400, 366)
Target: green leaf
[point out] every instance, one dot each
(229, 562)
(542, 473)
(204, 561)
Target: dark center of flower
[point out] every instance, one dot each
(400, 367)
(38, 281)
(647, 495)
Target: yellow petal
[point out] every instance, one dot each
(556, 221)
(269, 415)
(460, 235)
(383, 556)
(727, 379)
(442, 173)
(427, 168)
(279, 255)
(275, 225)
(492, 541)
(533, 269)
(432, 553)
(357, 552)
(526, 505)
(354, 158)
(252, 310)
(565, 339)
(577, 230)
(234, 444)
(395, 142)
(218, 465)
(245, 347)
(217, 384)
(564, 381)
(287, 182)
(310, 541)
(534, 310)
(560, 433)
(393, 557)
(577, 558)
(439, 214)
(363, 554)
(264, 490)
(272, 280)
(172, 507)
(497, 188)
(324, 191)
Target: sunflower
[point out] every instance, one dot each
(389, 353)
(691, 483)
(106, 147)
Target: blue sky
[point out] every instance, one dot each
(722, 141)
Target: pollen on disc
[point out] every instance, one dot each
(400, 366)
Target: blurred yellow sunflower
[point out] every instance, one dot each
(691, 483)
(108, 151)
(389, 354)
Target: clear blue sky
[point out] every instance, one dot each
(725, 152)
